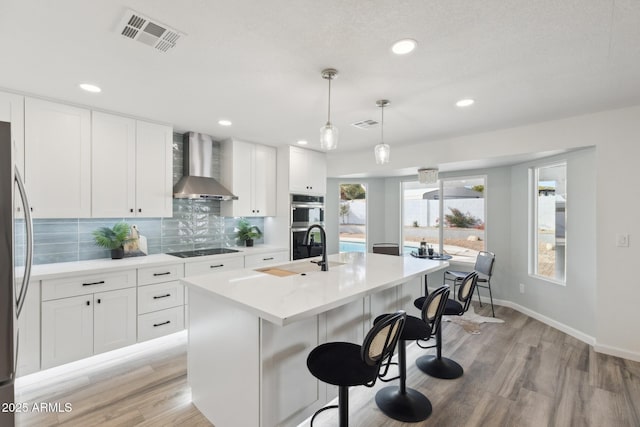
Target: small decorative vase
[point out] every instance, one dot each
(248, 242)
(117, 253)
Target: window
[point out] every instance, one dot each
(463, 203)
(420, 215)
(353, 218)
(451, 212)
(548, 222)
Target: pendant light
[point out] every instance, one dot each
(328, 132)
(382, 150)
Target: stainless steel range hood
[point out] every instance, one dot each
(198, 181)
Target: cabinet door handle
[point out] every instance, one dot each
(161, 296)
(161, 274)
(216, 266)
(99, 300)
(139, 210)
(267, 259)
(131, 210)
(155, 325)
(88, 302)
(93, 283)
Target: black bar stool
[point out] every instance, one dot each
(346, 364)
(399, 402)
(438, 366)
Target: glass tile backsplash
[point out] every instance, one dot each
(195, 224)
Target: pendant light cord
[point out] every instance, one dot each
(329, 104)
(382, 124)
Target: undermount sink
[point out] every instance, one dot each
(291, 269)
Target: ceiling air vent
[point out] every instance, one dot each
(141, 28)
(364, 124)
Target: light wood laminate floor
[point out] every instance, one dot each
(521, 373)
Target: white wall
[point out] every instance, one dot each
(572, 305)
(614, 134)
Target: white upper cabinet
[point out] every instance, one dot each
(131, 167)
(307, 171)
(249, 171)
(113, 162)
(58, 159)
(154, 170)
(12, 110)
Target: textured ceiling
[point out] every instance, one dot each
(258, 63)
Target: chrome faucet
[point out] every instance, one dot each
(323, 264)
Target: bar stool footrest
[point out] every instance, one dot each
(324, 408)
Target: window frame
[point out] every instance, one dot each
(440, 186)
(533, 243)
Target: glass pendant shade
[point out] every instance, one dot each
(382, 152)
(328, 137)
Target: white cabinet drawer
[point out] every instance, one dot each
(160, 296)
(160, 274)
(262, 260)
(159, 323)
(87, 284)
(214, 265)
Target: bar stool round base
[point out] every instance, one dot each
(442, 368)
(410, 407)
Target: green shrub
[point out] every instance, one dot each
(457, 219)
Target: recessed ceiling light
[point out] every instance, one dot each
(302, 142)
(402, 47)
(90, 88)
(224, 122)
(465, 102)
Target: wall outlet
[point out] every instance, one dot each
(622, 240)
(522, 288)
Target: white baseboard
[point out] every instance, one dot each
(618, 352)
(587, 339)
(549, 321)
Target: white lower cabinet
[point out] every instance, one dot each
(72, 317)
(114, 319)
(160, 310)
(78, 327)
(160, 296)
(264, 260)
(213, 265)
(159, 323)
(160, 301)
(67, 330)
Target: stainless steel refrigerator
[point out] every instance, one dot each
(16, 253)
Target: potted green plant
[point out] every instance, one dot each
(113, 238)
(247, 232)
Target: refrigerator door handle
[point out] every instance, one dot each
(22, 295)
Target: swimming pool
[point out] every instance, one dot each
(361, 247)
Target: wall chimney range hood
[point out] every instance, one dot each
(198, 181)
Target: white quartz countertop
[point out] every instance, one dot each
(283, 300)
(55, 270)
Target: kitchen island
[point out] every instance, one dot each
(252, 329)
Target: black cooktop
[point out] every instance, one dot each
(203, 252)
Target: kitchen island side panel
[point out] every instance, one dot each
(223, 360)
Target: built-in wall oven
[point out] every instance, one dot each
(306, 211)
